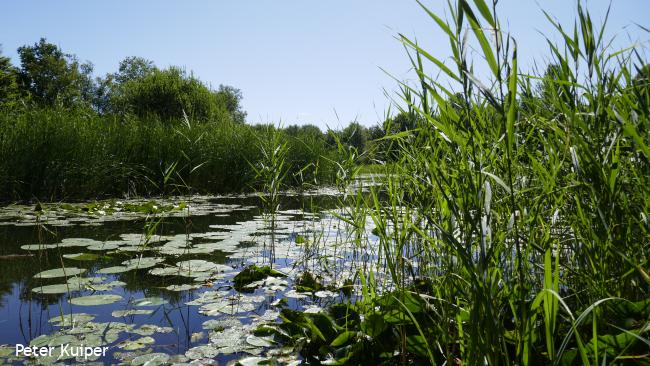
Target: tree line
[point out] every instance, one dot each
(47, 77)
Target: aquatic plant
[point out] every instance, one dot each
(520, 200)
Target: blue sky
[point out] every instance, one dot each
(296, 61)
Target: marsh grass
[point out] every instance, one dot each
(56, 154)
(522, 207)
(513, 224)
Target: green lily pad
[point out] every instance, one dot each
(140, 343)
(129, 312)
(253, 361)
(79, 281)
(114, 270)
(141, 263)
(38, 246)
(182, 287)
(150, 301)
(93, 300)
(259, 341)
(164, 271)
(196, 265)
(197, 353)
(56, 289)
(81, 256)
(103, 246)
(74, 319)
(60, 272)
(150, 359)
(106, 286)
(149, 329)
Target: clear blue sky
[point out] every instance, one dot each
(296, 61)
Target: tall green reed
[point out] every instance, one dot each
(520, 205)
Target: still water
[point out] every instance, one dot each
(152, 280)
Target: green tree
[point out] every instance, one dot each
(110, 90)
(54, 78)
(166, 94)
(9, 90)
(231, 98)
(355, 135)
(132, 68)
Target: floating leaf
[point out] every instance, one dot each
(68, 320)
(56, 289)
(38, 246)
(140, 263)
(149, 329)
(253, 361)
(106, 286)
(259, 341)
(103, 246)
(93, 300)
(206, 351)
(181, 287)
(140, 343)
(150, 359)
(114, 270)
(81, 256)
(129, 312)
(60, 272)
(149, 301)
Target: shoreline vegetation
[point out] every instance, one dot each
(510, 225)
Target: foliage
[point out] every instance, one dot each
(252, 274)
(521, 200)
(9, 90)
(166, 94)
(53, 78)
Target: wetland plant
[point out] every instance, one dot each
(271, 172)
(513, 226)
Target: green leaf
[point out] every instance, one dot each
(482, 40)
(343, 338)
(485, 12)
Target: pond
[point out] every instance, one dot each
(151, 281)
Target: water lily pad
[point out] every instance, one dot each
(69, 320)
(60, 272)
(182, 287)
(259, 341)
(93, 300)
(114, 270)
(79, 281)
(6, 351)
(103, 246)
(56, 289)
(81, 256)
(129, 312)
(164, 271)
(150, 301)
(140, 343)
(54, 339)
(78, 242)
(105, 286)
(38, 246)
(151, 359)
(196, 265)
(206, 351)
(141, 263)
(197, 336)
(217, 325)
(149, 329)
(253, 361)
